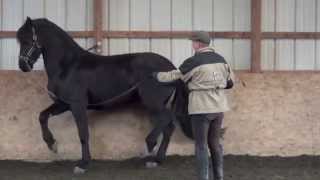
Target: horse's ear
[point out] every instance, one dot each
(29, 21)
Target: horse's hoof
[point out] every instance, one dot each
(77, 170)
(151, 164)
(54, 147)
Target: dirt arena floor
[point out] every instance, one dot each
(175, 168)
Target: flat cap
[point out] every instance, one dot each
(201, 36)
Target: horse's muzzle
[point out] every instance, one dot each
(25, 66)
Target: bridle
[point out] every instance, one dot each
(26, 57)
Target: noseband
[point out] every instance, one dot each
(26, 57)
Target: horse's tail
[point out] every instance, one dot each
(180, 108)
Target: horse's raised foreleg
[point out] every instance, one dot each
(81, 119)
(52, 110)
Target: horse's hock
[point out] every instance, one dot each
(273, 114)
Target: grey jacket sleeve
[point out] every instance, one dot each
(173, 75)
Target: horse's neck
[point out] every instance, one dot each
(57, 56)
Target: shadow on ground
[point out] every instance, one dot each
(174, 168)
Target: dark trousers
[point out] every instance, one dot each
(206, 130)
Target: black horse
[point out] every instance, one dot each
(79, 80)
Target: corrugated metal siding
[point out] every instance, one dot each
(68, 14)
(211, 15)
(179, 15)
(291, 16)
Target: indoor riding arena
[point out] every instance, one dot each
(271, 133)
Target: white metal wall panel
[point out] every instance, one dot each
(285, 49)
(0, 17)
(55, 11)
(305, 22)
(61, 12)
(106, 14)
(285, 15)
(284, 55)
(89, 15)
(267, 55)
(139, 20)
(268, 24)
(76, 20)
(140, 15)
(306, 16)
(1, 41)
(224, 47)
(202, 12)
(222, 15)
(161, 21)
(268, 15)
(12, 17)
(242, 15)
(241, 48)
(118, 46)
(181, 20)
(161, 15)
(106, 25)
(182, 15)
(181, 51)
(119, 13)
(139, 45)
(305, 55)
(317, 55)
(162, 47)
(318, 41)
(241, 54)
(34, 9)
(223, 21)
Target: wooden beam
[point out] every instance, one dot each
(98, 24)
(256, 36)
(291, 35)
(172, 34)
(7, 34)
(180, 34)
(75, 34)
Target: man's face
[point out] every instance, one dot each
(195, 45)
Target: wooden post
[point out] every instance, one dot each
(256, 36)
(98, 24)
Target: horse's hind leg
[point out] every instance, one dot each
(162, 120)
(167, 133)
(52, 110)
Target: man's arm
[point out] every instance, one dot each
(169, 76)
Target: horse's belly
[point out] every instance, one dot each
(121, 99)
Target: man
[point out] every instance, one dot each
(207, 75)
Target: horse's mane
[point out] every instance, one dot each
(50, 26)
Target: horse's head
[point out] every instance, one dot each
(30, 48)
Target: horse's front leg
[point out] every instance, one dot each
(52, 110)
(80, 115)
